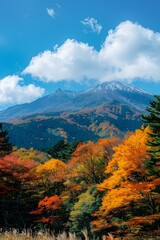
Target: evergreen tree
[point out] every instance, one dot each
(5, 146)
(153, 120)
(63, 150)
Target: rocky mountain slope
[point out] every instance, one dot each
(108, 109)
(73, 101)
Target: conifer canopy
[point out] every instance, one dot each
(153, 120)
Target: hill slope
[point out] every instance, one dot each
(108, 109)
(88, 124)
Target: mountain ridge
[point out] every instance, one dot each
(105, 110)
(102, 121)
(68, 101)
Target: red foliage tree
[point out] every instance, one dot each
(49, 210)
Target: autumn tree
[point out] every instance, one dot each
(32, 154)
(50, 213)
(52, 175)
(17, 185)
(84, 170)
(81, 212)
(153, 120)
(90, 159)
(5, 146)
(130, 202)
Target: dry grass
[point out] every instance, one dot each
(15, 235)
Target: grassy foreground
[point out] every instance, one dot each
(15, 235)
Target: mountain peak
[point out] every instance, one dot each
(61, 92)
(120, 86)
(65, 100)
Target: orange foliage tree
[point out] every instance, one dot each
(89, 160)
(49, 211)
(87, 167)
(129, 202)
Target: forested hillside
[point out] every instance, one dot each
(42, 131)
(111, 185)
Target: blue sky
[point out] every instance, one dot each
(73, 44)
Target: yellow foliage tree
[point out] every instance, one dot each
(32, 154)
(51, 172)
(127, 183)
(53, 169)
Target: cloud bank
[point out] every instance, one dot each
(130, 51)
(11, 92)
(93, 25)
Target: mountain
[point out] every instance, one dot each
(113, 91)
(44, 130)
(54, 102)
(69, 101)
(108, 109)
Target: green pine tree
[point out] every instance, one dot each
(62, 150)
(5, 146)
(153, 120)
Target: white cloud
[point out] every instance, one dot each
(92, 24)
(71, 61)
(11, 92)
(130, 51)
(51, 12)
